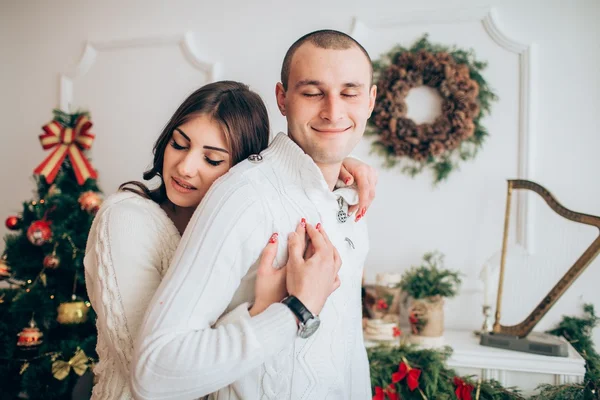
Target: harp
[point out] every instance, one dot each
(520, 337)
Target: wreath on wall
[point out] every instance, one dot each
(455, 135)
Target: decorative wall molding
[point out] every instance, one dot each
(93, 48)
(488, 17)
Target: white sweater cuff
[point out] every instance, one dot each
(236, 314)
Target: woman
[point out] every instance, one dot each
(137, 230)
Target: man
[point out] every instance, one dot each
(310, 346)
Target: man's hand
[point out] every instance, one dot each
(365, 176)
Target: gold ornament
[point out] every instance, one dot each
(54, 190)
(30, 337)
(72, 312)
(61, 369)
(90, 201)
(24, 368)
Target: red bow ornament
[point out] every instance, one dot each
(390, 391)
(411, 375)
(71, 142)
(463, 390)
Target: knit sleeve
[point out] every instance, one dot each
(178, 353)
(123, 275)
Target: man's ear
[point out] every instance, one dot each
(280, 96)
(372, 96)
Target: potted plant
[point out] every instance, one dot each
(427, 285)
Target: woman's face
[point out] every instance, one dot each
(195, 157)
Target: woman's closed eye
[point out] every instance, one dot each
(213, 162)
(176, 145)
(209, 160)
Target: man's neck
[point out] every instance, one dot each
(330, 172)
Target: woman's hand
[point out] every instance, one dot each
(270, 281)
(365, 176)
(311, 272)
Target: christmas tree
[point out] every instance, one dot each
(47, 327)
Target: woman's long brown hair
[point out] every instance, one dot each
(241, 114)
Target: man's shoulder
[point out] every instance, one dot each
(244, 183)
(253, 170)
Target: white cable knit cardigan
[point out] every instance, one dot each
(180, 356)
(129, 249)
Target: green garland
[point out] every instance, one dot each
(456, 135)
(578, 331)
(436, 380)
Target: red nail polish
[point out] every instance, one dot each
(273, 238)
(347, 181)
(318, 227)
(363, 212)
(358, 217)
(303, 222)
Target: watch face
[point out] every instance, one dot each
(308, 328)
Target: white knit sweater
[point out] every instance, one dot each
(130, 245)
(179, 356)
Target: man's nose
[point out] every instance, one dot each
(332, 109)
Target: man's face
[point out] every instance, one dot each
(328, 101)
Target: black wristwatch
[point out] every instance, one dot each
(309, 323)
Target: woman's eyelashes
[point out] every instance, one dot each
(213, 162)
(176, 145)
(209, 160)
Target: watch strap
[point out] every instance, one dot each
(298, 308)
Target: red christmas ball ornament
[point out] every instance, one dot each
(39, 232)
(51, 261)
(30, 337)
(90, 201)
(13, 222)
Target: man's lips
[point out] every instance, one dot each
(331, 130)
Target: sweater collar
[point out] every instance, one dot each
(299, 168)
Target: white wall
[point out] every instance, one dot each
(462, 218)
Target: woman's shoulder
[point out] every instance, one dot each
(131, 202)
(125, 207)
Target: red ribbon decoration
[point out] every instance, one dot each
(382, 305)
(379, 393)
(411, 375)
(413, 320)
(70, 141)
(463, 389)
